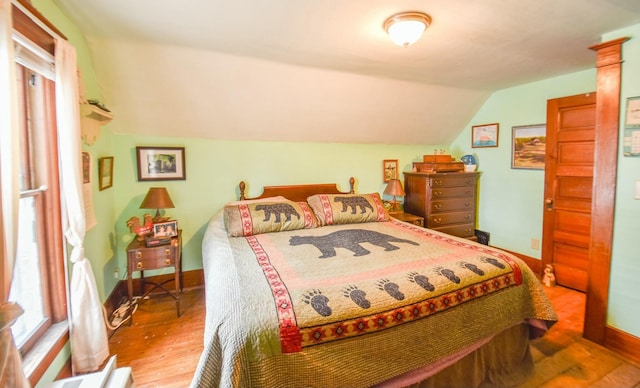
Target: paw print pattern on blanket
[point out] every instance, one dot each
(319, 302)
(421, 280)
(471, 267)
(447, 273)
(492, 261)
(358, 296)
(391, 288)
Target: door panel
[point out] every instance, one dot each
(568, 187)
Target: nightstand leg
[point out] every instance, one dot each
(178, 289)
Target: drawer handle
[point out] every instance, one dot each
(139, 255)
(468, 181)
(437, 220)
(437, 193)
(467, 217)
(139, 265)
(437, 206)
(437, 182)
(167, 251)
(467, 204)
(167, 262)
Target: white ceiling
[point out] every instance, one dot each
(324, 70)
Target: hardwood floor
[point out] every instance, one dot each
(163, 350)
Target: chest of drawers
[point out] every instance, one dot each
(446, 201)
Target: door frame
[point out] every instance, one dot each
(608, 79)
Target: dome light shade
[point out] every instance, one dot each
(406, 28)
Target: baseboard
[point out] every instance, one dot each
(622, 342)
(190, 279)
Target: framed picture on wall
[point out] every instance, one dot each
(485, 135)
(389, 169)
(529, 146)
(105, 172)
(161, 163)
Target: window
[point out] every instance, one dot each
(38, 279)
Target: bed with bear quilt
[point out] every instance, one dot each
(332, 292)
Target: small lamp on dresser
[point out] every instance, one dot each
(157, 198)
(394, 188)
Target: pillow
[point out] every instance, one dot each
(248, 219)
(333, 209)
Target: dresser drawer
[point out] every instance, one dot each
(443, 219)
(158, 257)
(464, 230)
(448, 205)
(452, 192)
(454, 180)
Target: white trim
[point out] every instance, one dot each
(32, 56)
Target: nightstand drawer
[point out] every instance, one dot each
(443, 219)
(447, 205)
(155, 258)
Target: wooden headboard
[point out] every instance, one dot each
(298, 193)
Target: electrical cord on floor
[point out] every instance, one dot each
(122, 314)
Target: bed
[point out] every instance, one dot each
(311, 286)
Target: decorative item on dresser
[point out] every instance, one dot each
(447, 201)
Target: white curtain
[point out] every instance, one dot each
(89, 342)
(11, 374)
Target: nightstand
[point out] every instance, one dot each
(141, 258)
(410, 218)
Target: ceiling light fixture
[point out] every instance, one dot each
(406, 28)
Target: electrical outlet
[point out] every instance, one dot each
(535, 244)
(116, 273)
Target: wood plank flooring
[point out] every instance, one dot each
(163, 350)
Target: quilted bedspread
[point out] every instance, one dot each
(323, 304)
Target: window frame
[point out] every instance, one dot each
(28, 22)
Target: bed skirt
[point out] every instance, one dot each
(504, 361)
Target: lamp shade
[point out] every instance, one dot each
(406, 28)
(394, 188)
(157, 198)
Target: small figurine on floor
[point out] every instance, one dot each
(549, 279)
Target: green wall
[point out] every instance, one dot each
(624, 299)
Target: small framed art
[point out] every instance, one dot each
(529, 146)
(389, 169)
(485, 135)
(165, 229)
(161, 163)
(105, 172)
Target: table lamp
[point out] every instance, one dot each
(394, 188)
(157, 198)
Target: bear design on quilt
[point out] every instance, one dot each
(354, 203)
(349, 239)
(277, 209)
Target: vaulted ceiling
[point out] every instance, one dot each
(325, 70)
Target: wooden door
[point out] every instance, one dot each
(568, 188)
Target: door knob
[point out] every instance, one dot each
(548, 204)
